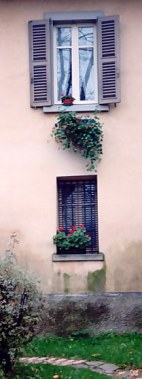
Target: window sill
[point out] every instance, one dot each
(77, 257)
(57, 108)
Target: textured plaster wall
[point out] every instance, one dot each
(30, 160)
(93, 313)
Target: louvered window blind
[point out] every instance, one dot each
(108, 57)
(77, 204)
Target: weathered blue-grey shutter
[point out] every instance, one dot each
(108, 60)
(40, 71)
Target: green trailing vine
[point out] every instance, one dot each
(83, 134)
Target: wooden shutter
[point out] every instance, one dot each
(108, 60)
(77, 204)
(40, 75)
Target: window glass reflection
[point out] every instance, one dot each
(64, 72)
(86, 74)
(63, 36)
(85, 36)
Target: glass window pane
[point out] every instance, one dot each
(63, 36)
(85, 36)
(64, 72)
(86, 74)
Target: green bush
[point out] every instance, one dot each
(20, 308)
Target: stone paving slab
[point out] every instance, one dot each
(109, 368)
(94, 363)
(101, 367)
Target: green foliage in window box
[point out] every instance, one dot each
(76, 238)
(83, 134)
(20, 306)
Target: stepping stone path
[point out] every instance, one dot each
(96, 366)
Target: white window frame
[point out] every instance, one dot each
(75, 62)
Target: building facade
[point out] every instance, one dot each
(72, 47)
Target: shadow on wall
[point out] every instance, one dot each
(125, 268)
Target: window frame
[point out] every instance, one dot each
(75, 62)
(79, 205)
(67, 257)
(41, 58)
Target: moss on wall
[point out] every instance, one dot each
(66, 282)
(96, 280)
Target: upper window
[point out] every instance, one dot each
(75, 63)
(78, 56)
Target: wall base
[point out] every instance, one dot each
(95, 312)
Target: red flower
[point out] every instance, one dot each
(74, 227)
(81, 226)
(60, 229)
(68, 235)
(71, 230)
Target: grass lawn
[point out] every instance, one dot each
(123, 350)
(46, 371)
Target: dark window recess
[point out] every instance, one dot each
(77, 204)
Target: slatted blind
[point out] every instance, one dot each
(108, 60)
(39, 39)
(77, 204)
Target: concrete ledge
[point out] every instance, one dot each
(57, 108)
(77, 257)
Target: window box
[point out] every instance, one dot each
(73, 250)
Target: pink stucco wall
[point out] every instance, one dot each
(30, 161)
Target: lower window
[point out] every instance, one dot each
(77, 204)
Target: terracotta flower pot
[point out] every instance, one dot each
(67, 102)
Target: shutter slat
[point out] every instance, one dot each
(40, 72)
(108, 59)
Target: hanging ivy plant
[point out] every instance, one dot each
(83, 134)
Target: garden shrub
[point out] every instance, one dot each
(20, 308)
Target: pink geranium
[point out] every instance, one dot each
(74, 227)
